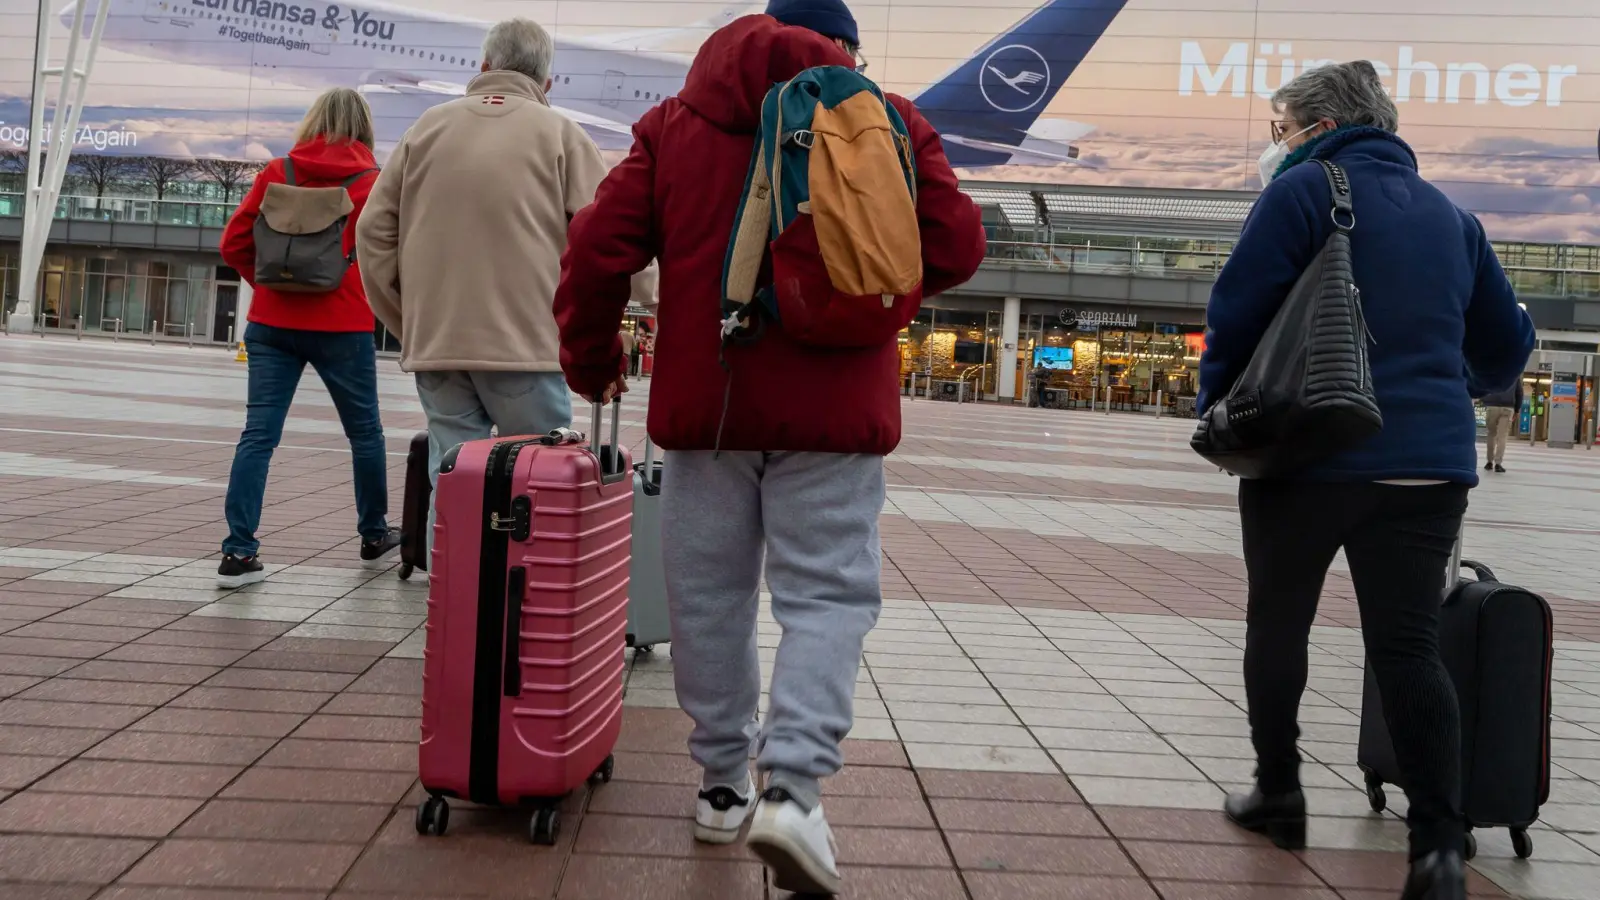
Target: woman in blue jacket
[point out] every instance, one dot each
(1445, 327)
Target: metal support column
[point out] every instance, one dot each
(43, 186)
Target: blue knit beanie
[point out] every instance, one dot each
(829, 18)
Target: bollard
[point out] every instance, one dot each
(189, 331)
(1108, 399)
(116, 330)
(1161, 403)
(152, 332)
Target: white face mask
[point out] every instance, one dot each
(1274, 155)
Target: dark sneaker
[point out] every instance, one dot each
(238, 571)
(375, 551)
(1500, 470)
(1488, 467)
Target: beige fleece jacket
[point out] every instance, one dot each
(460, 242)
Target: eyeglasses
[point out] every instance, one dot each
(861, 61)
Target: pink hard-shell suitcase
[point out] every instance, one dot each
(522, 701)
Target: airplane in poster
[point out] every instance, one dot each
(406, 60)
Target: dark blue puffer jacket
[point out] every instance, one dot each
(1444, 319)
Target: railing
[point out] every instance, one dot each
(1079, 254)
(1204, 265)
(190, 213)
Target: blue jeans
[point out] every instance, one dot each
(463, 406)
(347, 364)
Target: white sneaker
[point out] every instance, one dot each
(797, 846)
(721, 811)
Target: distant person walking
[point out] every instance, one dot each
(289, 329)
(1041, 380)
(1500, 411)
(461, 246)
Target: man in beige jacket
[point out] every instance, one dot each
(460, 246)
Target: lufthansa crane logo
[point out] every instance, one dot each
(1014, 78)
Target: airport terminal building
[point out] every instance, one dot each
(1104, 287)
(1115, 140)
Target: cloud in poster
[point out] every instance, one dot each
(146, 131)
(1522, 188)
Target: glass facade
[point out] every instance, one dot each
(1079, 361)
(116, 293)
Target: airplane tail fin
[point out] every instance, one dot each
(1000, 92)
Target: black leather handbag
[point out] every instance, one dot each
(1307, 393)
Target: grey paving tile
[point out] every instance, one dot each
(979, 758)
(1108, 791)
(1169, 766)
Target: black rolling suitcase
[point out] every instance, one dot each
(1498, 643)
(418, 494)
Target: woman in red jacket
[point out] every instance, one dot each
(331, 331)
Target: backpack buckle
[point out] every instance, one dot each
(800, 138)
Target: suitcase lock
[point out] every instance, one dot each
(519, 524)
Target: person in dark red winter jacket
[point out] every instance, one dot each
(332, 332)
(799, 477)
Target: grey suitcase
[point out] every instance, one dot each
(648, 622)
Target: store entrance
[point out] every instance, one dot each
(225, 308)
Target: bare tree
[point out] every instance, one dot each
(227, 174)
(100, 171)
(164, 171)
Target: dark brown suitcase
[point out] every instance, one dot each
(414, 508)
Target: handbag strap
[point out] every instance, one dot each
(1343, 212)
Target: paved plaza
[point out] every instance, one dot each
(1051, 707)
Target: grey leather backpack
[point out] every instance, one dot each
(299, 235)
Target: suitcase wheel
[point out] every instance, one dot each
(433, 816)
(603, 774)
(644, 648)
(1471, 849)
(1521, 843)
(1376, 798)
(405, 571)
(545, 829)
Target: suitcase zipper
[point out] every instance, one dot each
(490, 649)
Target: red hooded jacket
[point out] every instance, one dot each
(674, 199)
(316, 164)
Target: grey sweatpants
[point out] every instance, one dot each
(815, 517)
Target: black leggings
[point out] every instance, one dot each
(1397, 540)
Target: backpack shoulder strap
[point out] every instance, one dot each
(356, 177)
(754, 222)
(288, 171)
(1343, 212)
(752, 231)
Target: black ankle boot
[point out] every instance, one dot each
(1441, 875)
(1281, 817)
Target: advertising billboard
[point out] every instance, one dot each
(1501, 101)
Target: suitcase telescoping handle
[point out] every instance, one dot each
(610, 455)
(1458, 564)
(1453, 574)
